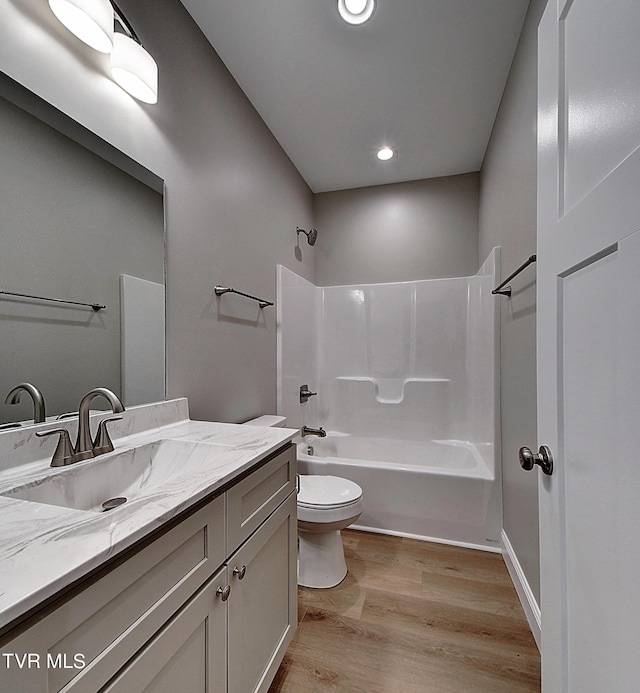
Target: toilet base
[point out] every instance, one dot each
(321, 561)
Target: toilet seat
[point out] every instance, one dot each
(320, 492)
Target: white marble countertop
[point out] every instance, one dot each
(43, 548)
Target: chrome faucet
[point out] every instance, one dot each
(320, 432)
(65, 453)
(13, 397)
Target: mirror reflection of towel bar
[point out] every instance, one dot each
(95, 306)
(227, 290)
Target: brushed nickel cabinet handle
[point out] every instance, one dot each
(240, 572)
(224, 592)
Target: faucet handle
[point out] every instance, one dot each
(64, 452)
(103, 443)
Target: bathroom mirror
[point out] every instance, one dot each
(79, 222)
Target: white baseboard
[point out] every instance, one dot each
(420, 537)
(527, 599)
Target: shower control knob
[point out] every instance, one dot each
(305, 393)
(544, 458)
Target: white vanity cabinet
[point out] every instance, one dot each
(210, 605)
(235, 645)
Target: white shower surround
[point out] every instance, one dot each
(407, 382)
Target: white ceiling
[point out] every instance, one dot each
(423, 76)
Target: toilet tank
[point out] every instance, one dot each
(268, 420)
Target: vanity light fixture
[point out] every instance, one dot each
(356, 11)
(131, 66)
(89, 20)
(134, 69)
(92, 21)
(386, 153)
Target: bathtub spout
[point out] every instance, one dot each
(320, 432)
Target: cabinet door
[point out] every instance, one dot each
(188, 655)
(263, 602)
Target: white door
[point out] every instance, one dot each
(589, 344)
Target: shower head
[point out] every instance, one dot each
(311, 234)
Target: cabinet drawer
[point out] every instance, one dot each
(106, 623)
(254, 498)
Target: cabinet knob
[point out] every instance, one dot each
(240, 572)
(544, 458)
(224, 592)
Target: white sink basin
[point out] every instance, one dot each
(127, 474)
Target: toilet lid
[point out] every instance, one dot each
(318, 491)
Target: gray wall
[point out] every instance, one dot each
(424, 229)
(233, 199)
(508, 219)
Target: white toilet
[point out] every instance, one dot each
(326, 504)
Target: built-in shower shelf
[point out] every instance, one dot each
(390, 390)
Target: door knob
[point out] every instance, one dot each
(544, 458)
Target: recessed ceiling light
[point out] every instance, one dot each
(385, 153)
(356, 11)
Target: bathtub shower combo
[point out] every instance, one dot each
(406, 381)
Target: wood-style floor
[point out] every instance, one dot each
(412, 616)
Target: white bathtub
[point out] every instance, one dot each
(437, 490)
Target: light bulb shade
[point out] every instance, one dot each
(90, 20)
(134, 69)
